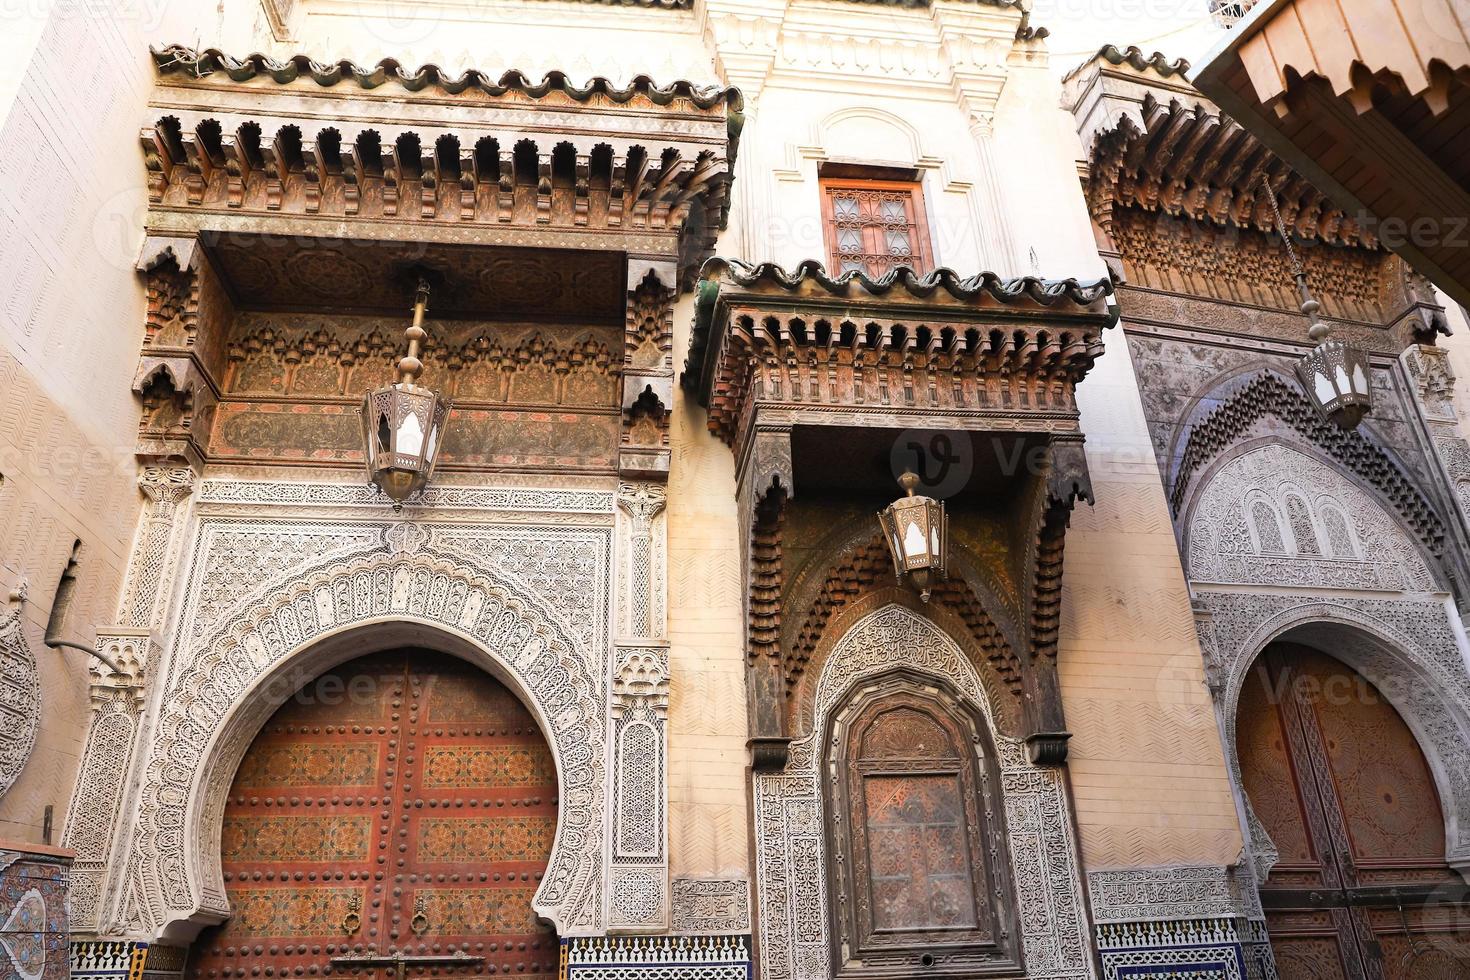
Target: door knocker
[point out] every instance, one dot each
(352, 921)
(420, 921)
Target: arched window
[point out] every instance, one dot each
(1303, 530)
(917, 843)
(1341, 541)
(1266, 528)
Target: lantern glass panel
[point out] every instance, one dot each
(410, 432)
(915, 547)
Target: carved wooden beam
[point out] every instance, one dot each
(644, 156)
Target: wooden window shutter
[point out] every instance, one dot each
(874, 226)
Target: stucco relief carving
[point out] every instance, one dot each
(20, 698)
(1272, 515)
(711, 906)
(1276, 516)
(791, 889)
(510, 590)
(640, 687)
(91, 823)
(1163, 893)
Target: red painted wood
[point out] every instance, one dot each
(1342, 787)
(397, 784)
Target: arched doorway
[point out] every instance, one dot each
(917, 842)
(400, 808)
(1335, 776)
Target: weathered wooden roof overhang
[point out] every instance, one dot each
(1155, 146)
(1154, 143)
(978, 347)
(468, 158)
(1370, 99)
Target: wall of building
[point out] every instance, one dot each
(76, 79)
(837, 82)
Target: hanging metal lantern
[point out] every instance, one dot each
(1335, 375)
(403, 423)
(916, 530)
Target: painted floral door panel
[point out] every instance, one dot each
(403, 804)
(1361, 889)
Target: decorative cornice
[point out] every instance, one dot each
(646, 163)
(1156, 144)
(945, 339)
(179, 59)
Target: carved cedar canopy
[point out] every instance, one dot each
(559, 219)
(1175, 188)
(811, 379)
(508, 160)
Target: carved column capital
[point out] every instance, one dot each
(1434, 380)
(641, 677)
(642, 502)
(166, 485)
(130, 649)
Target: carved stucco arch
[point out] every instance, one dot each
(22, 704)
(236, 674)
(791, 879)
(1345, 486)
(1002, 711)
(1428, 692)
(1255, 403)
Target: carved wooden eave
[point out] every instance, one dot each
(776, 352)
(386, 152)
(253, 161)
(1154, 145)
(1153, 142)
(977, 348)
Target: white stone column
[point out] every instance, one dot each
(638, 898)
(102, 806)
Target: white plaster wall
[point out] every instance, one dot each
(536, 36)
(75, 80)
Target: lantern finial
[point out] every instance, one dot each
(403, 423)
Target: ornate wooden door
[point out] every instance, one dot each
(1361, 889)
(404, 806)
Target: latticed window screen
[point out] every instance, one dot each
(873, 226)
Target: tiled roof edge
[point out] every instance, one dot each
(179, 59)
(1047, 292)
